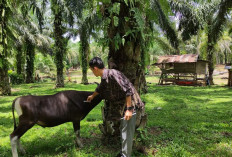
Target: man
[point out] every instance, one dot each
(116, 87)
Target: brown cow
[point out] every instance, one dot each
(49, 111)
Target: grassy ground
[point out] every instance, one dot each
(182, 121)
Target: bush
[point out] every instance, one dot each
(15, 78)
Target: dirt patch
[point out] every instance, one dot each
(142, 149)
(220, 75)
(227, 134)
(97, 141)
(154, 151)
(155, 131)
(15, 90)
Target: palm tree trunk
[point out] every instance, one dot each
(210, 58)
(30, 57)
(84, 50)
(4, 79)
(210, 52)
(19, 60)
(230, 78)
(225, 53)
(125, 58)
(215, 28)
(142, 80)
(60, 48)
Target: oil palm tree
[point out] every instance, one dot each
(127, 29)
(19, 56)
(215, 29)
(87, 24)
(84, 50)
(7, 37)
(63, 12)
(33, 40)
(9, 19)
(28, 40)
(61, 42)
(5, 13)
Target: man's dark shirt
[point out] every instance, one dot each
(115, 86)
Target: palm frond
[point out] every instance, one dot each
(164, 45)
(76, 6)
(165, 25)
(38, 11)
(11, 33)
(189, 17)
(216, 29)
(43, 43)
(225, 43)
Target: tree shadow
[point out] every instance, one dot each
(5, 109)
(6, 122)
(61, 142)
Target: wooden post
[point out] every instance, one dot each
(161, 79)
(230, 78)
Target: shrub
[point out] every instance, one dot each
(15, 78)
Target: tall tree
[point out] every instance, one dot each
(124, 36)
(215, 28)
(128, 25)
(63, 12)
(19, 56)
(9, 34)
(32, 39)
(87, 27)
(7, 12)
(84, 51)
(29, 35)
(61, 42)
(30, 56)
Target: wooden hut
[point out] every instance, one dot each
(229, 67)
(182, 70)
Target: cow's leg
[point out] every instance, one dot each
(15, 136)
(21, 149)
(13, 141)
(76, 126)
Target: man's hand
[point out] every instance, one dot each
(128, 114)
(90, 98)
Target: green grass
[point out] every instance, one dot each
(193, 121)
(182, 121)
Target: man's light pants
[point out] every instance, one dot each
(127, 134)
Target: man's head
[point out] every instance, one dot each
(96, 62)
(97, 66)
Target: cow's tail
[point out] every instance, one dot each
(13, 107)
